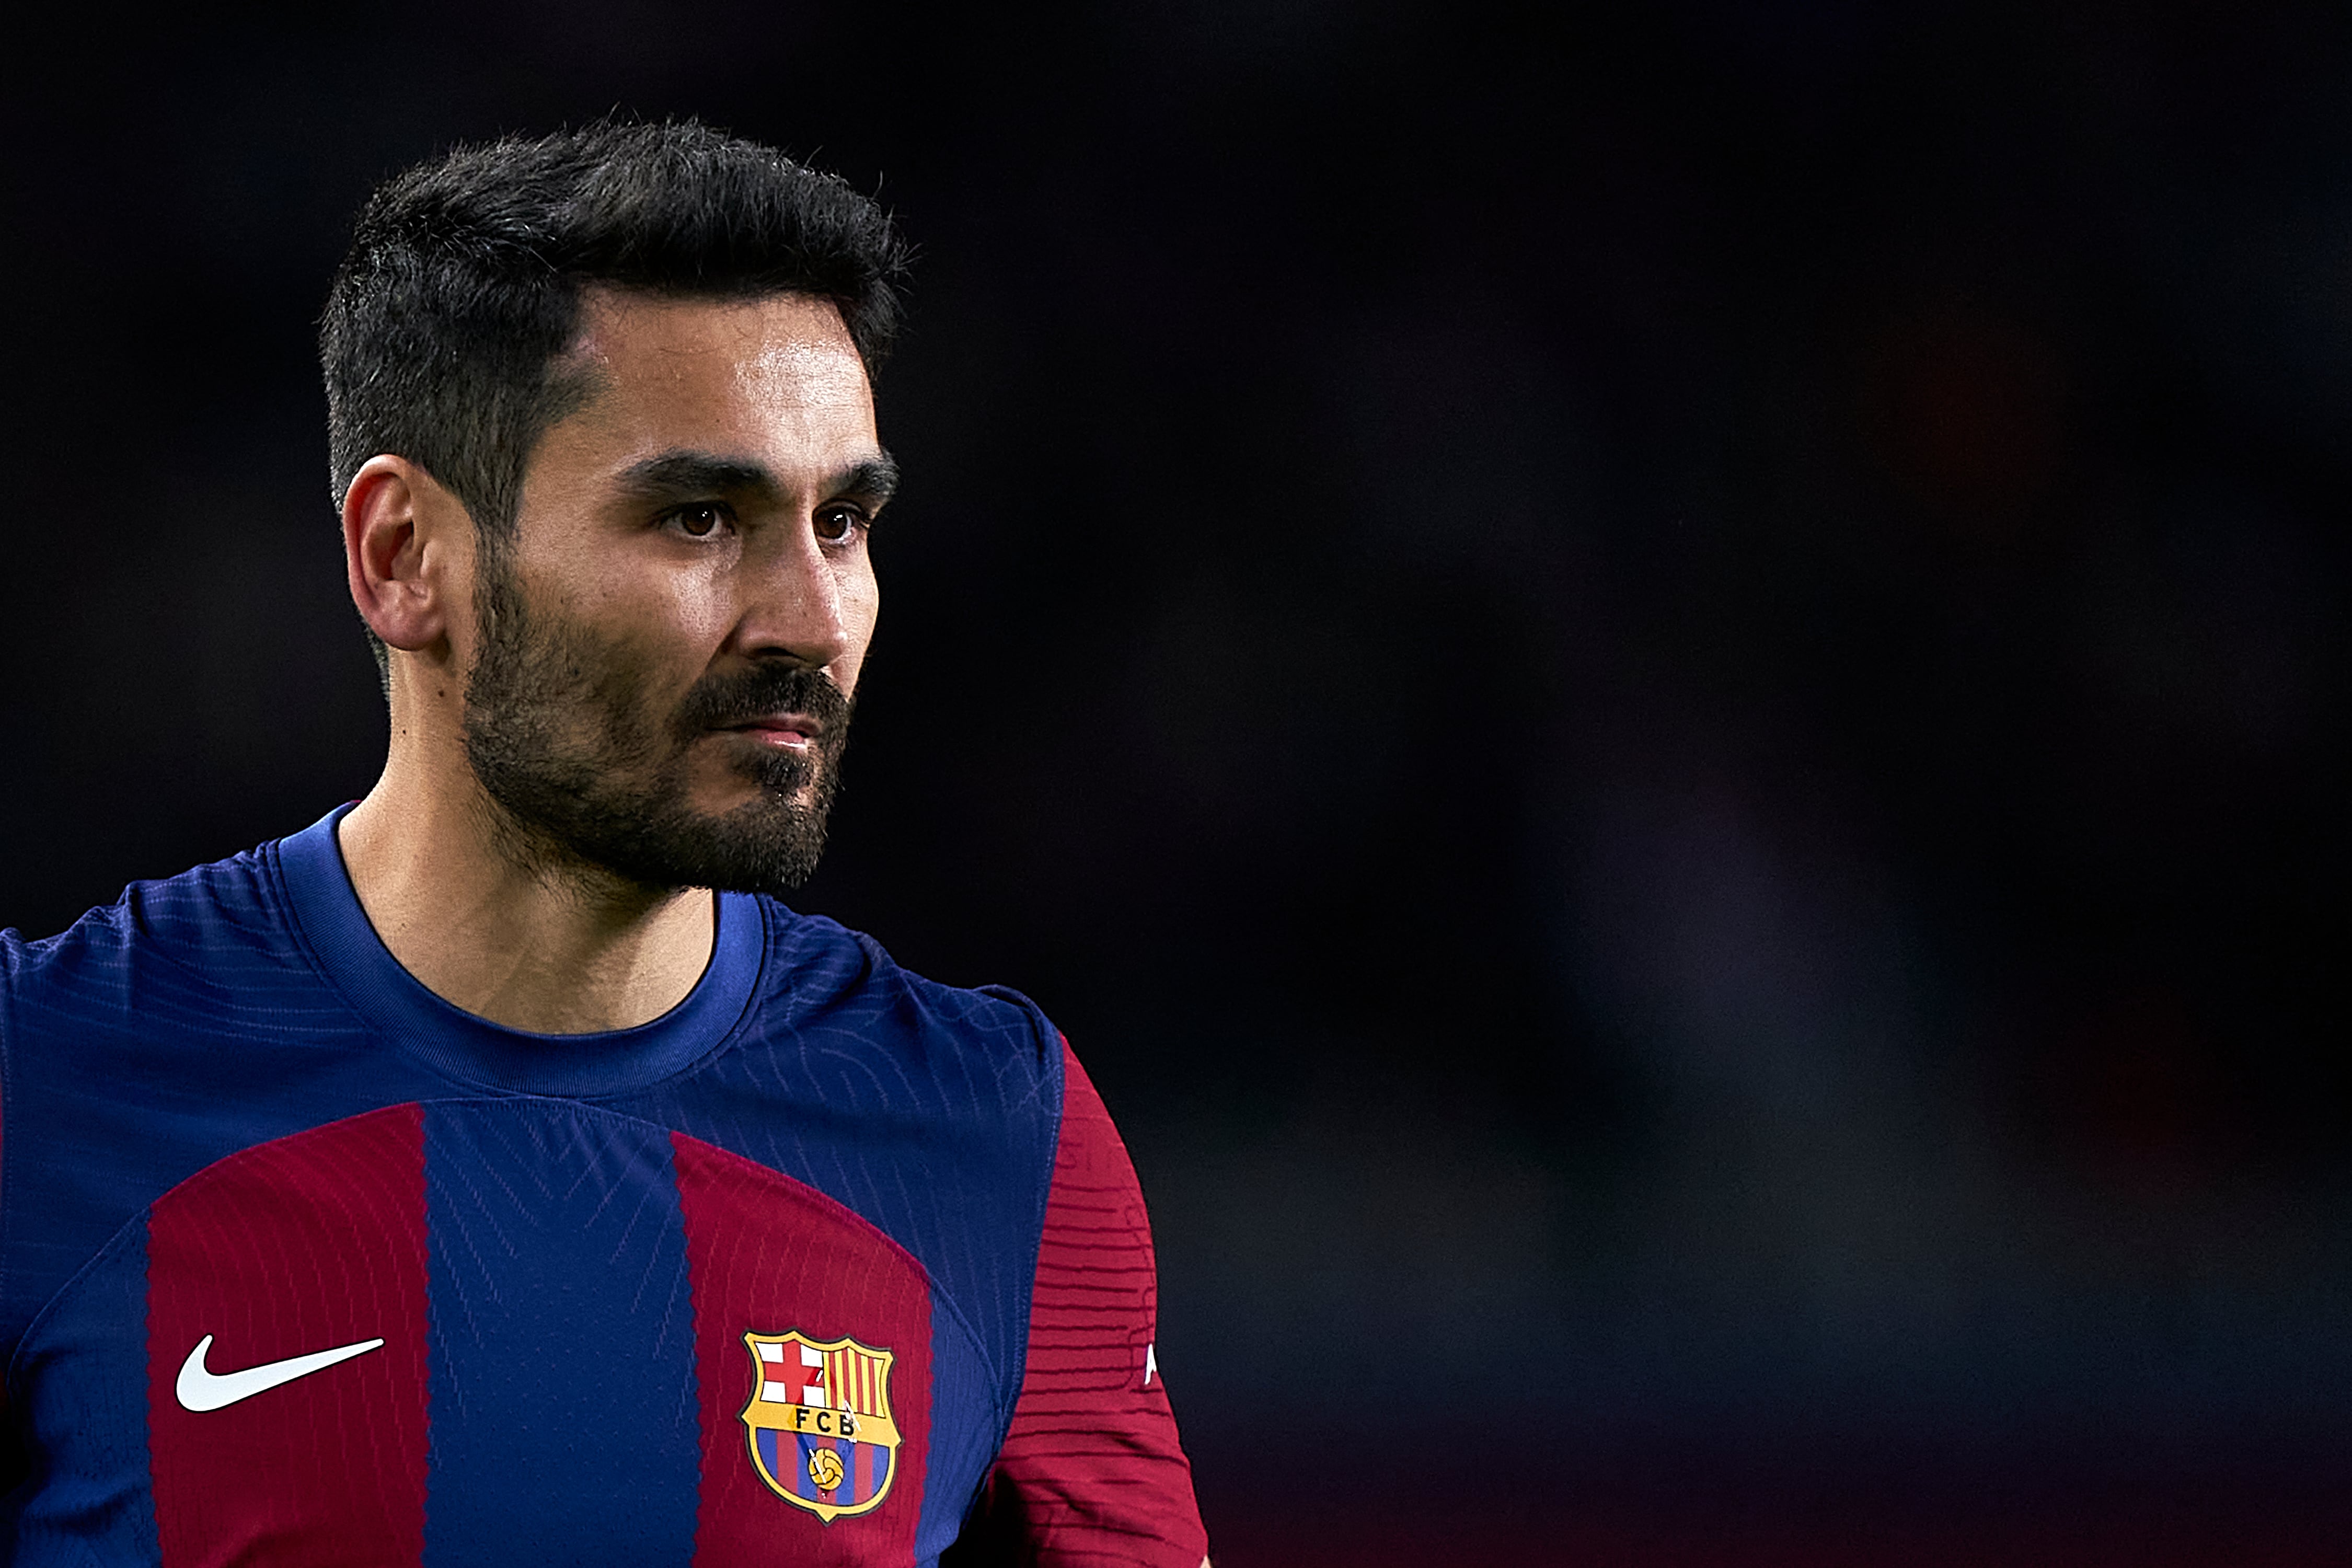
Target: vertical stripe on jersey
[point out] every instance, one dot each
(303, 1245)
(85, 1393)
(770, 1256)
(565, 1420)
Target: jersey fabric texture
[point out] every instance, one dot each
(299, 1264)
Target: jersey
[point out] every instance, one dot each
(301, 1263)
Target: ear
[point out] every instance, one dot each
(407, 544)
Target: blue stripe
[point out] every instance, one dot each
(563, 1408)
(766, 1438)
(84, 1381)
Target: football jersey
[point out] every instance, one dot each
(299, 1264)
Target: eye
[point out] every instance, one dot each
(698, 519)
(839, 524)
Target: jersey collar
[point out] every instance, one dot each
(465, 1045)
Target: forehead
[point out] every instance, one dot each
(751, 373)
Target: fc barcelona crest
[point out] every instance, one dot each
(819, 1422)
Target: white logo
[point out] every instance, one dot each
(200, 1390)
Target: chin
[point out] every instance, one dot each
(735, 804)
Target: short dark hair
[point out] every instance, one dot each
(462, 288)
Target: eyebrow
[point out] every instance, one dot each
(681, 474)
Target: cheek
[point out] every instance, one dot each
(683, 613)
(635, 645)
(696, 610)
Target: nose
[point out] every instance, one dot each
(800, 601)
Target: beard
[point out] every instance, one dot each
(585, 773)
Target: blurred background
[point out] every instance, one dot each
(1663, 691)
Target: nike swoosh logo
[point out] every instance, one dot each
(200, 1390)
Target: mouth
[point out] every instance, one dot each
(786, 731)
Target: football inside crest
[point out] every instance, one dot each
(819, 1423)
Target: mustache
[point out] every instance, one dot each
(723, 702)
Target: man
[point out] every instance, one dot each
(494, 1172)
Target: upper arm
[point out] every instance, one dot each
(1091, 1471)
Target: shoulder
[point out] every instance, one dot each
(136, 996)
(212, 923)
(831, 979)
(132, 1046)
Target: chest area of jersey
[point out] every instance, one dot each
(507, 1332)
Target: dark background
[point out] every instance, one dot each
(1663, 691)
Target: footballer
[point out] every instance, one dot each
(495, 1172)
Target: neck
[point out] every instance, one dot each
(557, 948)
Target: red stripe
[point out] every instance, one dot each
(303, 1244)
(768, 1256)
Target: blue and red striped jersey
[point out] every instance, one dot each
(300, 1264)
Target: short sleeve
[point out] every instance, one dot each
(1091, 1474)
